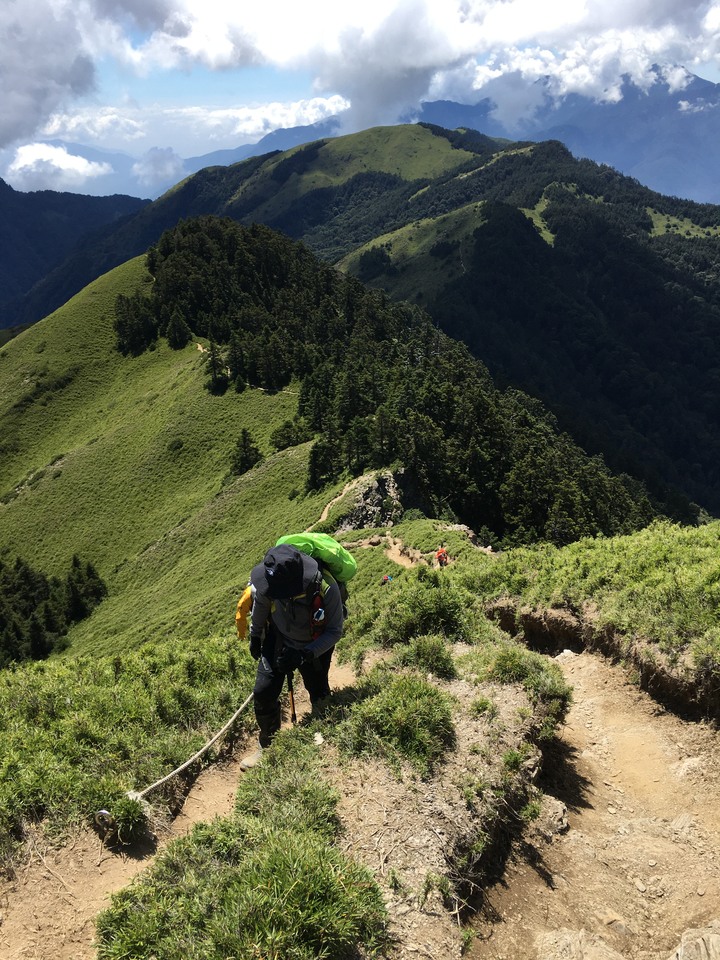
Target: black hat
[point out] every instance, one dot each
(285, 572)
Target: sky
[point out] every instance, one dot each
(163, 80)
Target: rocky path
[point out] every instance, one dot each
(628, 846)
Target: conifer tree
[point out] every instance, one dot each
(178, 332)
(246, 453)
(218, 381)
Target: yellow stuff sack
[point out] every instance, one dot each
(242, 612)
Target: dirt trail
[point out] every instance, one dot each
(328, 506)
(47, 912)
(640, 861)
(395, 550)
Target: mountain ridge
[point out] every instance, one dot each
(657, 132)
(39, 230)
(339, 195)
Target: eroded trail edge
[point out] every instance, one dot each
(628, 846)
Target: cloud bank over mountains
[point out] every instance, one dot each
(368, 61)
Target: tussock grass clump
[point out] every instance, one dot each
(429, 653)
(279, 788)
(425, 602)
(266, 882)
(406, 719)
(130, 820)
(541, 679)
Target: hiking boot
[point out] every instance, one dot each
(252, 759)
(320, 706)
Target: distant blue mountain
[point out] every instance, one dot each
(667, 140)
(282, 139)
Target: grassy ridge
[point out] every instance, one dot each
(125, 460)
(267, 882)
(409, 153)
(423, 254)
(412, 152)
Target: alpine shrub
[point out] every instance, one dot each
(429, 653)
(432, 605)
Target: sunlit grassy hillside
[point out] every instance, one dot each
(424, 254)
(407, 152)
(658, 591)
(125, 461)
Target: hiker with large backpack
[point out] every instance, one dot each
(297, 617)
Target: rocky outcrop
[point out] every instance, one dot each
(376, 503)
(702, 944)
(574, 945)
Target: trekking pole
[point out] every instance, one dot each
(291, 693)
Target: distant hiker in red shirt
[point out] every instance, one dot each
(442, 556)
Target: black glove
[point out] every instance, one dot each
(289, 659)
(255, 647)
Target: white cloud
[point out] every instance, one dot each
(383, 56)
(193, 130)
(100, 124)
(43, 64)
(41, 166)
(249, 124)
(699, 106)
(158, 166)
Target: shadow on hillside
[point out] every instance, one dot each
(561, 778)
(340, 703)
(139, 849)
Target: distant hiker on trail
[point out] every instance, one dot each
(442, 556)
(296, 620)
(385, 580)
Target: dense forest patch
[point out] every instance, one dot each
(36, 611)
(378, 384)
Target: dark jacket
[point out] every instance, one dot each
(292, 619)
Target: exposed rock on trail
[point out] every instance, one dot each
(640, 862)
(372, 500)
(395, 550)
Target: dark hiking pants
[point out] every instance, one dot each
(269, 684)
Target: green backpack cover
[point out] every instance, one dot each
(340, 563)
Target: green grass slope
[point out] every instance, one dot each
(408, 153)
(124, 461)
(423, 255)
